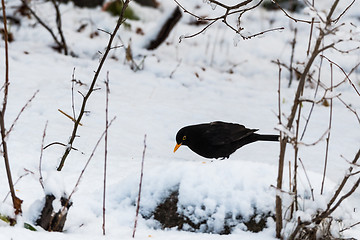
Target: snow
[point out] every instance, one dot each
(214, 76)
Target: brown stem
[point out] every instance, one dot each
(41, 155)
(59, 27)
(330, 207)
(293, 43)
(315, 52)
(42, 23)
(16, 201)
(67, 204)
(140, 185)
(106, 147)
(328, 136)
(6, 40)
(91, 89)
(296, 148)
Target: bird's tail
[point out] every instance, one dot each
(268, 137)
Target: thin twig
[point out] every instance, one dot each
(41, 155)
(323, 86)
(279, 95)
(27, 172)
(91, 89)
(140, 185)
(106, 147)
(346, 75)
(83, 171)
(293, 43)
(330, 207)
(263, 32)
(331, 210)
(342, 14)
(16, 201)
(351, 226)
(61, 144)
(228, 7)
(229, 10)
(308, 180)
(6, 40)
(283, 143)
(313, 104)
(310, 36)
(354, 173)
(289, 16)
(344, 181)
(59, 27)
(42, 23)
(296, 152)
(317, 141)
(21, 111)
(278, 209)
(73, 80)
(328, 136)
(173, 71)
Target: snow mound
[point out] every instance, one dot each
(219, 197)
(214, 197)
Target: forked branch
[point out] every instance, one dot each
(228, 11)
(61, 43)
(92, 86)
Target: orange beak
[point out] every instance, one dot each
(177, 146)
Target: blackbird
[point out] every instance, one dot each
(218, 139)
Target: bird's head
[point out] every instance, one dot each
(181, 138)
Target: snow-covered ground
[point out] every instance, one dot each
(213, 76)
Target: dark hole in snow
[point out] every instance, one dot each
(169, 216)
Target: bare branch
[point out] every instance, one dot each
(328, 135)
(73, 80)
(82, 172)
(342, 14)
(42, 23)
(21, 111)
(15, 200)
(106, 146)
(229, 10)
(346, 75)
(351, 226)
(310, 36)
(140, 185)
(27, 172)
(61, 144)
(340, 188)
(91, 89)
(59, 27)
(292, 18)
(263, 32)
(308, 180)
(239, 5)
(317, 141)
(41, 155)
(201, 31)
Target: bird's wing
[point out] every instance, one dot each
(220, 133)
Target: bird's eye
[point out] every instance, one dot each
(184, 138)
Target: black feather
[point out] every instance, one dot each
(219, 139)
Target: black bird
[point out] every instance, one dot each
(218, 139)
